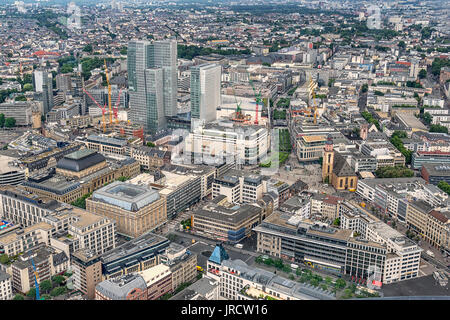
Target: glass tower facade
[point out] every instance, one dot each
(152, 82)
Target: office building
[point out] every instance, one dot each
(87, 271)
(223, 141)
(136, 209)
(182, 264)
(128, 287)
(205, 91)
(136, 255)
(152, 81)
(43, 84)
(10, 171)
(227, 222)
(238, 281)
(434, 157)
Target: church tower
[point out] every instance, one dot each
(328, 160)
(364, 131)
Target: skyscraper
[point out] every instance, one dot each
(152, 82)
(43, 84)
(205, 91)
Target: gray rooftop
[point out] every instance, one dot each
(126, 195)
(119, 288)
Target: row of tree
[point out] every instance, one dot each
(7, 122)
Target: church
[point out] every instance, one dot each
(336, 171)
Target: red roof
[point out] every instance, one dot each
(45, 53)
(433, 152)
(403, 62)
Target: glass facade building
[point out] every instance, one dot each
(152, 82)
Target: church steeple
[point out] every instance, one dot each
(328, 160)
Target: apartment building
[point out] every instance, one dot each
(149, 157)
(182, 264)
(94, 232)
(240, 186)
(5, 286)
(158, 280)
(23, 270)
(325, 205)
(136, 209)
(87, 271)
(16, 240)
(43, 219)
(391, 195)
(438, 230)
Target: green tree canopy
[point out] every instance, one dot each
(46, 286)
(10, 122)
(31, 293)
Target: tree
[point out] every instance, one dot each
(31, 293)
(46, 286)
(46, 297)
(422, 74)
(10, 122)
(402, 44)
(337, 222)
(365, 88)
(438, 128)
(88, 48)
(20, 98)
(4, 259)
(27, 87)
(58, 291)
(58, 279)
(19, 297)
(340, 283)
(427, 118)
(151, 144)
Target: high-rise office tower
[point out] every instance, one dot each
(43, 84)
(152, 82)
(205, 91)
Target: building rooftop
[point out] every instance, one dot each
(154, 274)
(231, 216)
(119, 288)
(126, 196)
(201, 287)
(133, 247)
(80, 160)
(219, 254)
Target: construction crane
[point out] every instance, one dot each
(102, 108)
(116, 109)
(36, 277)
(257, 98)
(109, 93)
